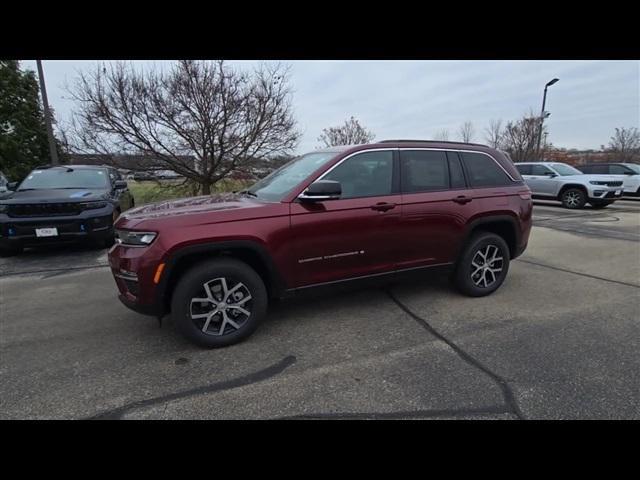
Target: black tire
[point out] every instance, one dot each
(464, 278)
(600, 204)
(11, 251)
(192, 285)
(573, 198)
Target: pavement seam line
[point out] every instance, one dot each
(578, 273)
(33, 272)
(507, 393)
(251, 378)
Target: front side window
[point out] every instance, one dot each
(524, 169)
(65, 177)
(618, 170)
(424, 170)
(367, 174)
(483, 171)
(566, 170)
(278, 184)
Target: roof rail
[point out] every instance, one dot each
(430, 141)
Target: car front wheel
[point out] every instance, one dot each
(573, 198)
(483, 265)
(219, 303)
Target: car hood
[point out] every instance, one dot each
(53, 196)
(198, 210)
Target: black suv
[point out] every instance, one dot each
(62, 203)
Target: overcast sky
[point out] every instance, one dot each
(416, 99)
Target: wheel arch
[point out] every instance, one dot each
(247, 251)
(566, 187)
(506, 226)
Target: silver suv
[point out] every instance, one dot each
(559, 181)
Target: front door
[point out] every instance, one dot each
(352, 236)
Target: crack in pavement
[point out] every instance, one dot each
(399, 415)
(619, 282)
(48, 270)
(259, 376)
(507, 393)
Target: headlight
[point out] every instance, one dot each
(4, 208)
(93, 205)
(139, 239)
(595, 182)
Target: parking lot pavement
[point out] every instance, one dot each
(558, 340)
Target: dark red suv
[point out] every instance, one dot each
(333, 215)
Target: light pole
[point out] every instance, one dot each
(544, 100)
(47, 116)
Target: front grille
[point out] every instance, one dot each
(614, 184)
(44, 209)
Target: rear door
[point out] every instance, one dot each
(355, 235)
(435, 205)
(540, 180)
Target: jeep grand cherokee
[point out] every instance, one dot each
(333, 215)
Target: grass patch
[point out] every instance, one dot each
(152, 191)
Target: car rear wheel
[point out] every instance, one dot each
(483, 265)
(573, 198)
(219, 303)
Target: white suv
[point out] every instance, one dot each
(559, 181)
(630, 172)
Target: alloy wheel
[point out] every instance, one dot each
(224, 308)
(486, 266)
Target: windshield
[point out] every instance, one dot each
(278, 184)
(633, 166)
(64, 178)
(565, 170)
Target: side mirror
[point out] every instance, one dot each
(321, 190)
(550, 174)
(12, 186)
(120, 185)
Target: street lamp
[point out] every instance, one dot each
(542, 115)
(47, 115)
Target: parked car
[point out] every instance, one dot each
(143, 176)
(562, 182)
(62, 203)
(631, 172)
(338, 214)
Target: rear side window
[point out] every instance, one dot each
(455, 171)
(424, 170)
(524, 169)
(585, 169)
(483, 171)
(539, 170)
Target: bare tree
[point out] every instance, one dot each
(351, 133)
(466, 132)
(199, 110)
(493, 133)
(625, 144)
(519, 138)
(442, 135)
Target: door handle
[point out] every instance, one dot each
(383, 207)
(462, 199)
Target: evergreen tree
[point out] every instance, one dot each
(23, 136)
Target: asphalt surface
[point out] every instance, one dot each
(559, 340)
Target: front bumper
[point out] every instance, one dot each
(21, 231)
(605, 193)
(134, 269)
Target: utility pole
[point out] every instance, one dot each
(47, 116)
